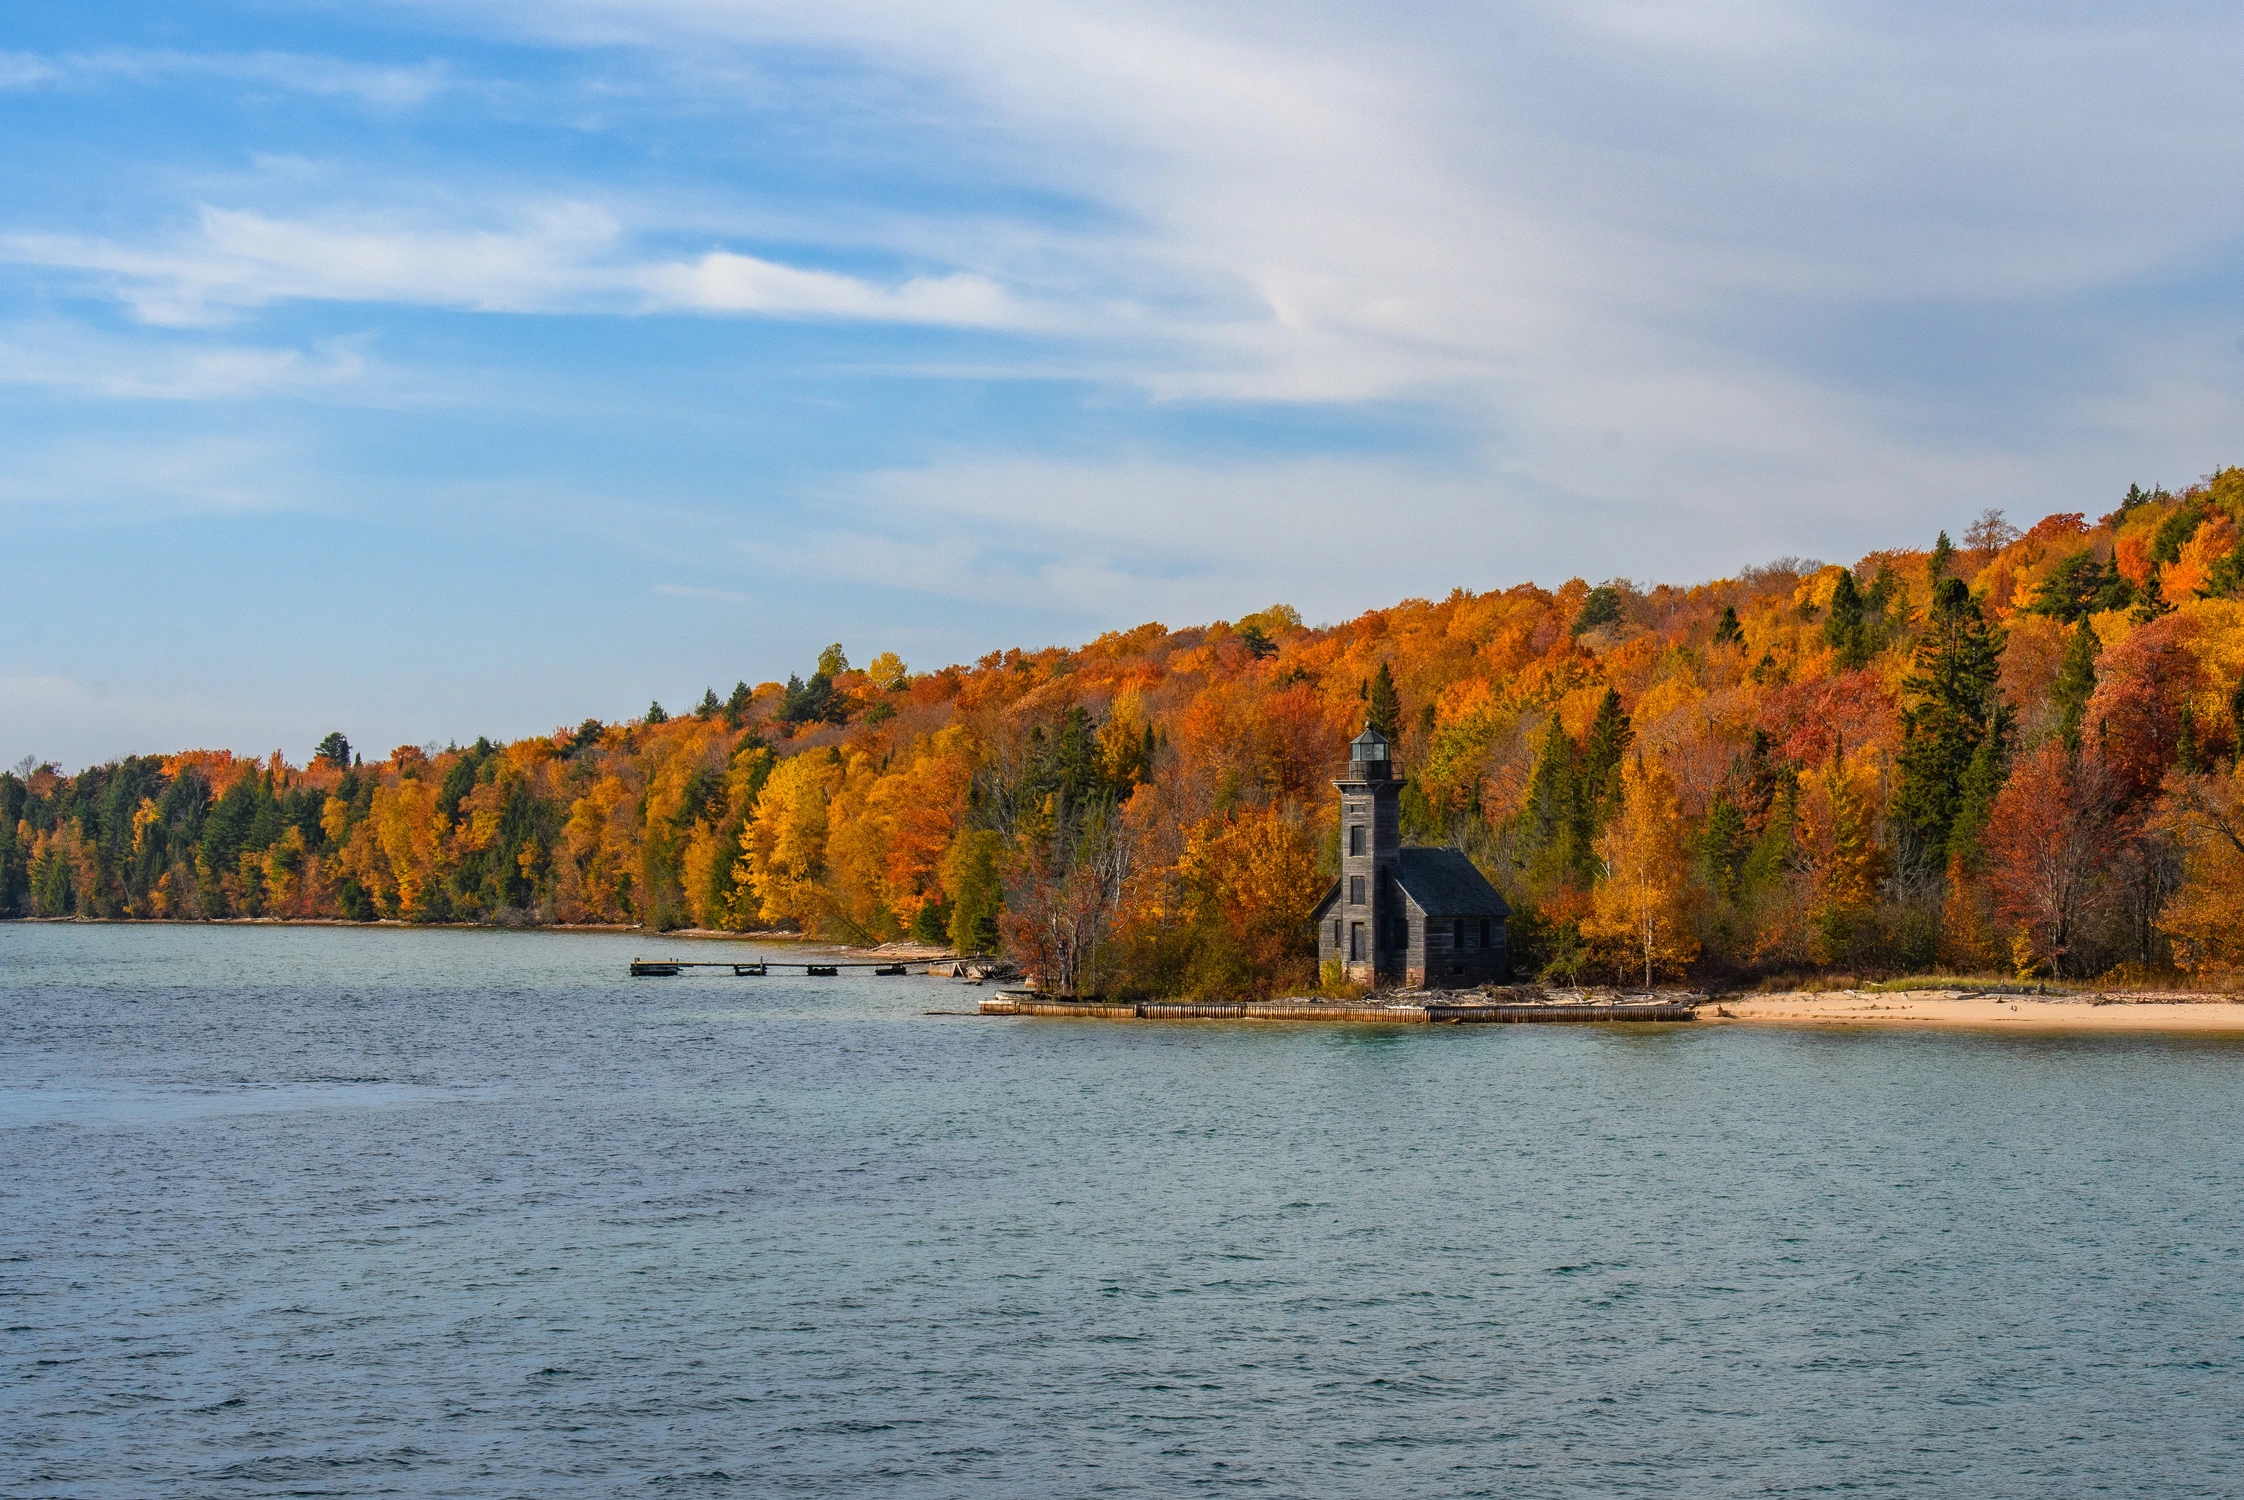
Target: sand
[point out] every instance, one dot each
(2114, 1012)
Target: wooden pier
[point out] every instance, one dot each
(1439, 1011)
(668, 968)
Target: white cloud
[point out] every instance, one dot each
(62, 358)
(22, 69)
(1543, 208)
(563, 257)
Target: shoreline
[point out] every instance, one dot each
(2116, 1011)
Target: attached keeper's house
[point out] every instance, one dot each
(1415, 917)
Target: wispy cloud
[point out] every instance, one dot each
(691, 591)
(139, 477)
(60, 357)
(553, 258)
(382, 85)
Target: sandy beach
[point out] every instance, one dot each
(2110, 1012)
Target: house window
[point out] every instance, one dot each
(1336, 932)
(1356, 839)
(1355, 891)
(1484, 932)
(1355, 941)
(1457, 933)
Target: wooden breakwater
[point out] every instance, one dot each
(1436, 1011)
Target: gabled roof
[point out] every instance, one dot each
(1317, 913)
(1443, 883)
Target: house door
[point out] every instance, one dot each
(1355, 942)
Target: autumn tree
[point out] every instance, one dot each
(2205, 919)
(1640, 911)
(2049, 844)
(1839, 855)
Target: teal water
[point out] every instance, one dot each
(367, 1212)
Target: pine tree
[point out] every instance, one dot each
(1598, 784)
(1943, 553)
(1982, 783)
(1843, 628)
(1953, 685)
(2076, 683)
(2150, 599)
(1545, 832)
(1729, 632)
(1722, 845)
(1385, 713)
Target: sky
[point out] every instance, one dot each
(432, 370)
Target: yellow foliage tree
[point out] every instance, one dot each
(2205, 918)
(1838, 846)
(783, 848)
(1640, 912)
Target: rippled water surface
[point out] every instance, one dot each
(358, 1212)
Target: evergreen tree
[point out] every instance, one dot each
(1545, 839)
(1598, 782)
(1982, 782)
(1723, 845)
(736, 706)
(2150, 599)
(334, 751)
(710, 707)
(1385, 714)
(1729, 632)
(1773, 852)
(2080, 586)
(1953, 685)
(2225, 579)
(1943, 553)
(2076, 683)
(1843, 627)
(655, 715)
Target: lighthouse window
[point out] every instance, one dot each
(1356, 839)
(1355, 890)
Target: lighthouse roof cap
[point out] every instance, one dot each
(1370, 745)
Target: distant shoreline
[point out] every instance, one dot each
(2117, 1011)
(911, 952)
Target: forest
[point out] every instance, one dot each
(2016, 754)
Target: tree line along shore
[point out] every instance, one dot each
(2011, 754)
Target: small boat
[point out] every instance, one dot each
(648, 968)
(890, 969)
(823, 971)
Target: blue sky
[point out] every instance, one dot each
(432, 370)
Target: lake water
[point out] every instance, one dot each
(363, 1212)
